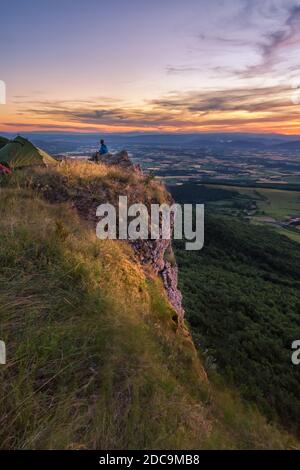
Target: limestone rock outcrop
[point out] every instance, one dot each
(153, 252)
(121, 159)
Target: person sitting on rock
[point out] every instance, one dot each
(103, 148)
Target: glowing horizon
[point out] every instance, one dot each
(168, 66)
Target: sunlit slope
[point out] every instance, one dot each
(94, 357)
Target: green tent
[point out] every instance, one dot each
(20, 153)
(3, 141)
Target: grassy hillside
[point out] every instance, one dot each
(242, 299)
(95, 359)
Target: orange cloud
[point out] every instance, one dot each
(264, 109)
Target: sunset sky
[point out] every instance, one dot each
(159, 65)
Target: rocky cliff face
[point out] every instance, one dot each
(155, 253)
(158, 253)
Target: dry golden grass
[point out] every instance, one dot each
(89, 338)
(88, 185)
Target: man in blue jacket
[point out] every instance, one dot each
(103, 148)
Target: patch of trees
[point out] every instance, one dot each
(242, 300)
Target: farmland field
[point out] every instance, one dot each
(276, 203)
(261, 206)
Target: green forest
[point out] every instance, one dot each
(242, 301)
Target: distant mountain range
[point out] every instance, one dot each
(200, 141)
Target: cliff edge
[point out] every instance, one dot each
(98, 354)
(157, 253)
